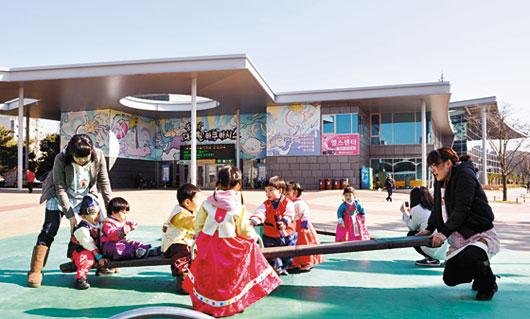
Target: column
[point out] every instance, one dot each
(26, 156)
(423, 143)
(193, 153)
(238, 141)
(484, 148)
(20, 138)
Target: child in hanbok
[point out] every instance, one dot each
(351, 218)
(229, 272)
(307, 234)
(277, 216)
(114, 243)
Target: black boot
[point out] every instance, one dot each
(485, 281)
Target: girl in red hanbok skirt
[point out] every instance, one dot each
(229, 272)
(351, 221)
(307, 234)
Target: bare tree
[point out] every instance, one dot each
(507, 136)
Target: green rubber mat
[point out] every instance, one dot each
(374, 284)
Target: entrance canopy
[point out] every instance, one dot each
(231, 80)
(473, 113)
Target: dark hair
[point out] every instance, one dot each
(421, 196)
(441, 155)
(117, 204)
(80, 145)
(88, 205)
(277, 182)
(227, 178)
(186, 191)
(348, 190)
(294, 186)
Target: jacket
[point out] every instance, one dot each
(179, 228)
(227, 220)
(466, 204)
(57, 181)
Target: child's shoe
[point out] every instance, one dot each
(103, 271)
(141, 252)
(81, 284)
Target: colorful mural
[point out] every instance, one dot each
(93, 123)
(253, 136)
(293, 130)
(126, 135)
(136, 136)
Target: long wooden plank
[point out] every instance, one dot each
(273, 252)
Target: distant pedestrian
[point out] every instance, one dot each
(528, 186)
(389, 185)
(30, 179)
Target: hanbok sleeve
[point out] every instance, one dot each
(200, 220)
(244, 227)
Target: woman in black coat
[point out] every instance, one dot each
(462, 215)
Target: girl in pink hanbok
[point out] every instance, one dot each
(351, 218)
(229, 272)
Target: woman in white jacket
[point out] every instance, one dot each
(416, 218)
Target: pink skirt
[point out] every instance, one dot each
(352, 230)
(228, 275)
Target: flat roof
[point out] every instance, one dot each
(230, 79)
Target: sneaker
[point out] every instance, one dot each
(104, 271)
(141, 252)
(82, 284)
(305, 268)
(428, 262)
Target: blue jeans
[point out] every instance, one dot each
(285, 262)
(52, 221)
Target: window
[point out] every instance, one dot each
(386, 128)
(346, 123)
(343, 124)
(404, 128)
(328, 124)
(355, 123)
(399, 128)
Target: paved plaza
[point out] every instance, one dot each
(375, 284)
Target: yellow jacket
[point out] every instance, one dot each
(179, 228)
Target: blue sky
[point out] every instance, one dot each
(482, 47)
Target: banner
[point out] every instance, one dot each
(340, 144)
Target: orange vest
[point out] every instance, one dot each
(272, 216)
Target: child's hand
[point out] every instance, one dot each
(341, 222)
(281, 225)
(132, 224)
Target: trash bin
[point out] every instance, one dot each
(328, 183)
(336, 184)
(322, 184)
(345, 182)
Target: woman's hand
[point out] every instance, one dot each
(404, 209)
(438, 239)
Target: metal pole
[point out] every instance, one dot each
(423, 143)
(26, 155)
(238, 141)
(484, 149)
(193, 153)
(20, 136)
